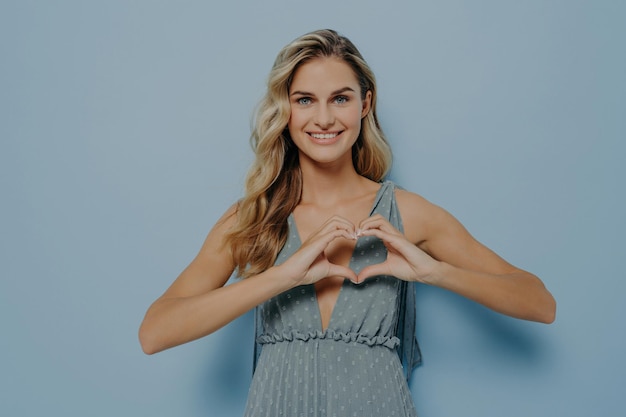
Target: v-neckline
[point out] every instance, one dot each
(377, 198)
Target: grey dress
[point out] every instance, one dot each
(360, 364)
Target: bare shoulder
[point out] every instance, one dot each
(407, 198)
(215, 239)
(443, 237)
(213, 264)
(418, 215)
(225, 222)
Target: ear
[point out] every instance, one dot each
(367, 104)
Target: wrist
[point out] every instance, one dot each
(438, 274)
(280, 277)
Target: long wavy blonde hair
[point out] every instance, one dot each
(274, 183)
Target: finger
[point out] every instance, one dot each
(372, 271)
(310, 252)
(334, 225)
(363, 224)
(333, 234)
(388, 238)
(337, 223)
(340, 219)
(342, 271)
(394, 242)
(377, 222)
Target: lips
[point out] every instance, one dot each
(324, 138)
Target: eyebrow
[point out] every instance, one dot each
(334, 93)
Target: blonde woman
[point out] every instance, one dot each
(328, 251)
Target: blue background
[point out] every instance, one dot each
(124, 132)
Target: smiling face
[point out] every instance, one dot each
(326, 111)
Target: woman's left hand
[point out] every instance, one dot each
(404, 259)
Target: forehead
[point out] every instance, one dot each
(325, 74)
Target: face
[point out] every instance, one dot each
(326, 111)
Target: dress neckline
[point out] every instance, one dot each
(381, 190)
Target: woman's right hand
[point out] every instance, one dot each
(310, 264)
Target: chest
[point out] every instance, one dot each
(341, 251)
(309, 220)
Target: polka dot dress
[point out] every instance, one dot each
(350, 369)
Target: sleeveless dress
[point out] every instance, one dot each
(359, 365)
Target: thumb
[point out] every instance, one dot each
(372, 271)
(342, 271)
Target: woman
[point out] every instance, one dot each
(327, 251)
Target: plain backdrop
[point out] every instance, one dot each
(124, 130)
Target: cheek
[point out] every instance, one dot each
(294, 125)
(354, 117)
(294, 119)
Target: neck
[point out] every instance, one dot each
(328, 185)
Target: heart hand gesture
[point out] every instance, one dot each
(404, 259)
(310, 264)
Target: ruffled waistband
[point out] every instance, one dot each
(390, 342)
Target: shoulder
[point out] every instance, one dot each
(412, 205)
(216, 241)
(409, 198)
(229, 217)
(430, 226)
(420, 217)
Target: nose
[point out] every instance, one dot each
(324, 117)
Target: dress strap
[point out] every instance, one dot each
(408, 349)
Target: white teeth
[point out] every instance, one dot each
(324, 135)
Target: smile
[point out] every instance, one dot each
(324, 135)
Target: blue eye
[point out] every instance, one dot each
(341, 99)
(304, 101)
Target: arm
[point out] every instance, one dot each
(198, 302)
(437, 250)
